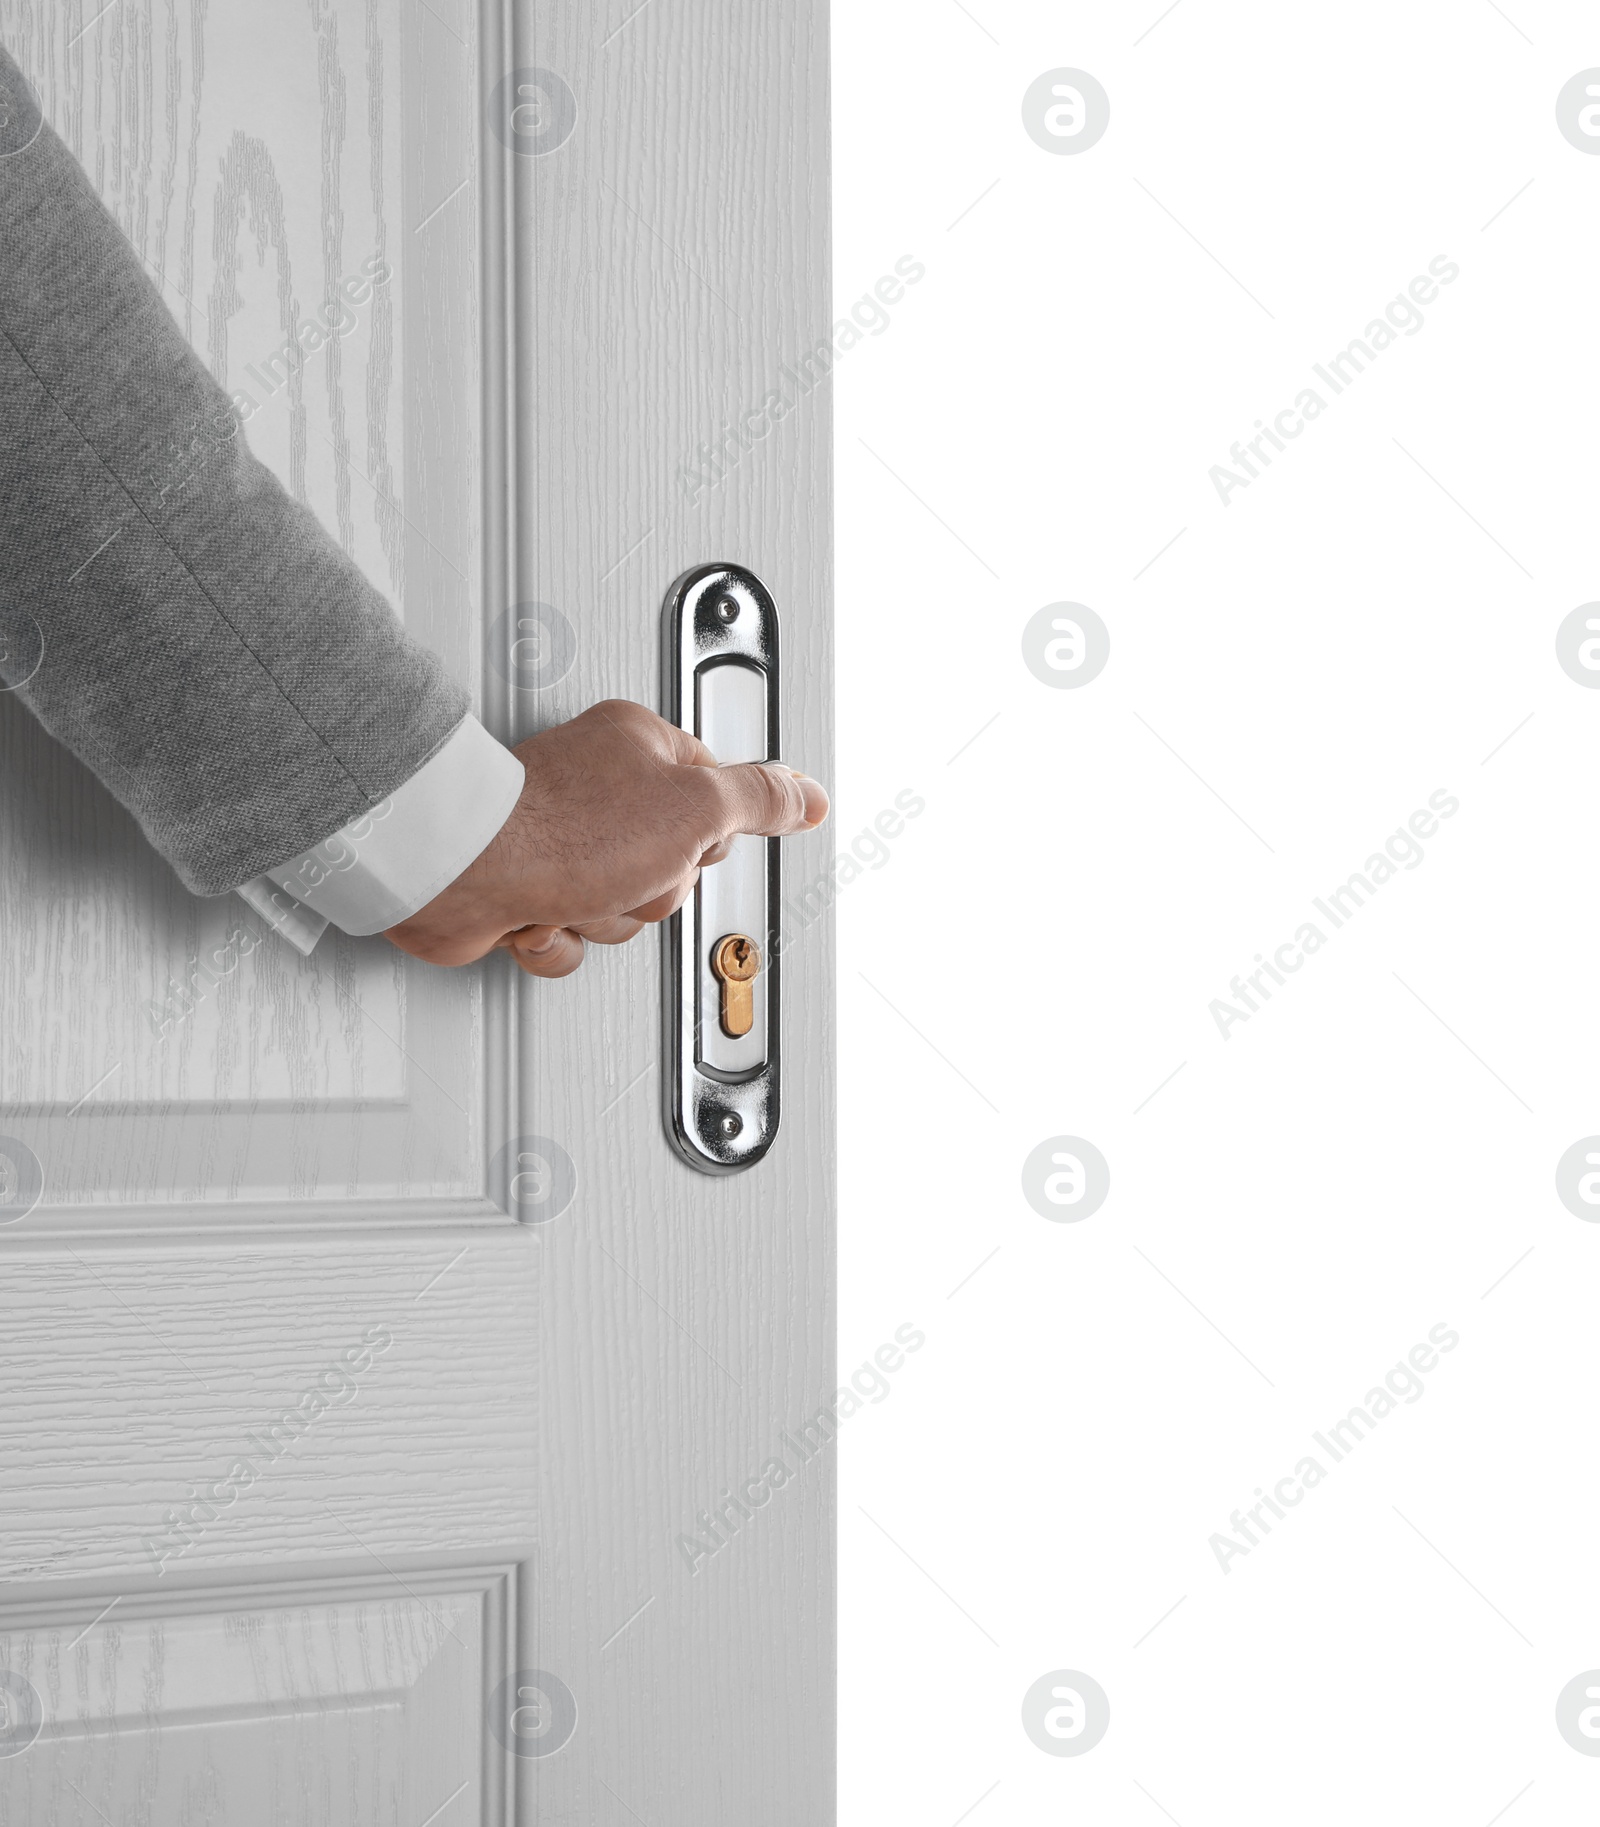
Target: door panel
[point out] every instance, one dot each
(383, 1386)
(676, 264)
(337, 1700)
(163, 1050)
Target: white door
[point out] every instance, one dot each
(396, 1429)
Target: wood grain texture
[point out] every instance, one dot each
(236, 1450)
(259, 158)
(563, 1403)
(336, 1699)
(673, 258)
(151, 1372)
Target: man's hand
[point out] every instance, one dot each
(619, 813)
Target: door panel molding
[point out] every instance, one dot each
(421, 1647)
(166, 1072)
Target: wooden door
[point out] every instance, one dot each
(393, 1422)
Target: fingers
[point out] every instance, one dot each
(557, 951)
(716, 853)
(689, 750)
(664, 906)
(545, 951)
(652, 735)
(616, 931)
(816, 798)
(767, 799)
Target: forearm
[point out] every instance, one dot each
(207, 649)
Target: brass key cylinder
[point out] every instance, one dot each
(735, 963)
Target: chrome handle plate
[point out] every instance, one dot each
(720, 682)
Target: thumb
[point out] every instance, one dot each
(768, 799)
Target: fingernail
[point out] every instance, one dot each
(816, 795)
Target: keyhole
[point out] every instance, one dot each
(735, 963)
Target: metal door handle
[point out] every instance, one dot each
(721, 1040)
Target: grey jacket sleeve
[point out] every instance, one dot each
(172, 616)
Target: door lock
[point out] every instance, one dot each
(720, 975)
(735, 963)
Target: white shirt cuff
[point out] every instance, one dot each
(383, 866)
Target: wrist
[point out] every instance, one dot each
(472, 912)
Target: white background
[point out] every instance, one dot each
(1371, 1153)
